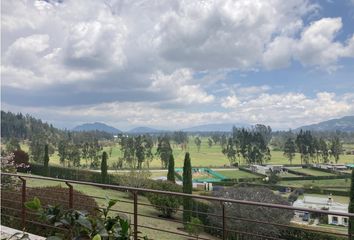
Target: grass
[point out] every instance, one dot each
(235, 174)
(312, 172)
(339, 199)
(128, 207)
(206, 157)
(340, 184)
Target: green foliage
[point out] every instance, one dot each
(303, 234)
(289, 149)
(198, 142)
(8, 166)
(171, 169)
(194, 227)
(48, 196)
(351, 206)
(104, 168)
(336, 148)
(12, 145)
(187, 187)
(80, 224)
(165, 203)
(164, 150)
(46, 160)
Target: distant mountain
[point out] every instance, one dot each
(345, 124)
(96, 126)
(219, 127)
(145, 130)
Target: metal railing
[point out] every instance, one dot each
(224, 229)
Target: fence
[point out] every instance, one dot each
(225, 230)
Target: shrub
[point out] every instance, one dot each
(11, 206)
(194, 227)
(165, 203)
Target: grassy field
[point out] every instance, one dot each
(327, 183)
(312, 172)
(206, 157)
(339, 199)
(123, 206)
(236, 174)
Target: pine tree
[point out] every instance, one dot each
(187, 188)
(171, 169)
(351, 208)
(104, 167)
(46, 160)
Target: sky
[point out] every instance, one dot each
(174, 64)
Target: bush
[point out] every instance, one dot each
(194, 227)
(21, 159)
(165, 203)
(303, 234)
(11, 206)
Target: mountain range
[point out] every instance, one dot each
(96, 126)
(342, 124)
(345, 124)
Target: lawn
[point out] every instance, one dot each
(128, 207)
(338, 184)
(235, 174)
(339, 199)
(313, 172)
(206, 157)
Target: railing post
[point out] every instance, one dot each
(23, 200)
(223, 220)
(135, 194)
(71, 195)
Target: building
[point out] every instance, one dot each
(267, 169)
(322, 203)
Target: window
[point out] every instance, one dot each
(345, 221)
(334, 219)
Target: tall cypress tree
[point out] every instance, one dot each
(171, 169)
(187, 188)
(46, 160)
(351, 208)
(104, 167)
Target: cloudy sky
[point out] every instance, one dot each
(173, 64)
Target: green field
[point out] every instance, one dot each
(235, 174)
(326, 183)
(312, 172)
(128, 207)
(206, 157)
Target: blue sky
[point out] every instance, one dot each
(174, 64)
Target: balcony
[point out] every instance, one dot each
(141, 213)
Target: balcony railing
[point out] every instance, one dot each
(224, 230)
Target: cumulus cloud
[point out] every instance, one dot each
(161, 55)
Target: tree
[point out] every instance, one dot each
(210, 142)
(62, 152)
(230, 152)
(12, 145)
(351, 207)
(198, 142)
(104, 167)
(46, 160)
(21, 159)
(187, 188)
(336, 148)
(164, 150)
(265, 214)
(289, 149)
(171, 169)
(324, 151)
(265, 131)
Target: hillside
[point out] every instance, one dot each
(345, 124)
(221, 127)
(97, 126)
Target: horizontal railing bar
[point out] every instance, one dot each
(271, 205)
(176, 233)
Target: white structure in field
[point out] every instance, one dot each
(322, 203)
(267, 169)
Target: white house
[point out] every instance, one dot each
(266, 170)
(322, 203)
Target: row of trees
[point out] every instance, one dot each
(248, 145)
(312, 148)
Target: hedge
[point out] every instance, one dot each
(249, 171)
